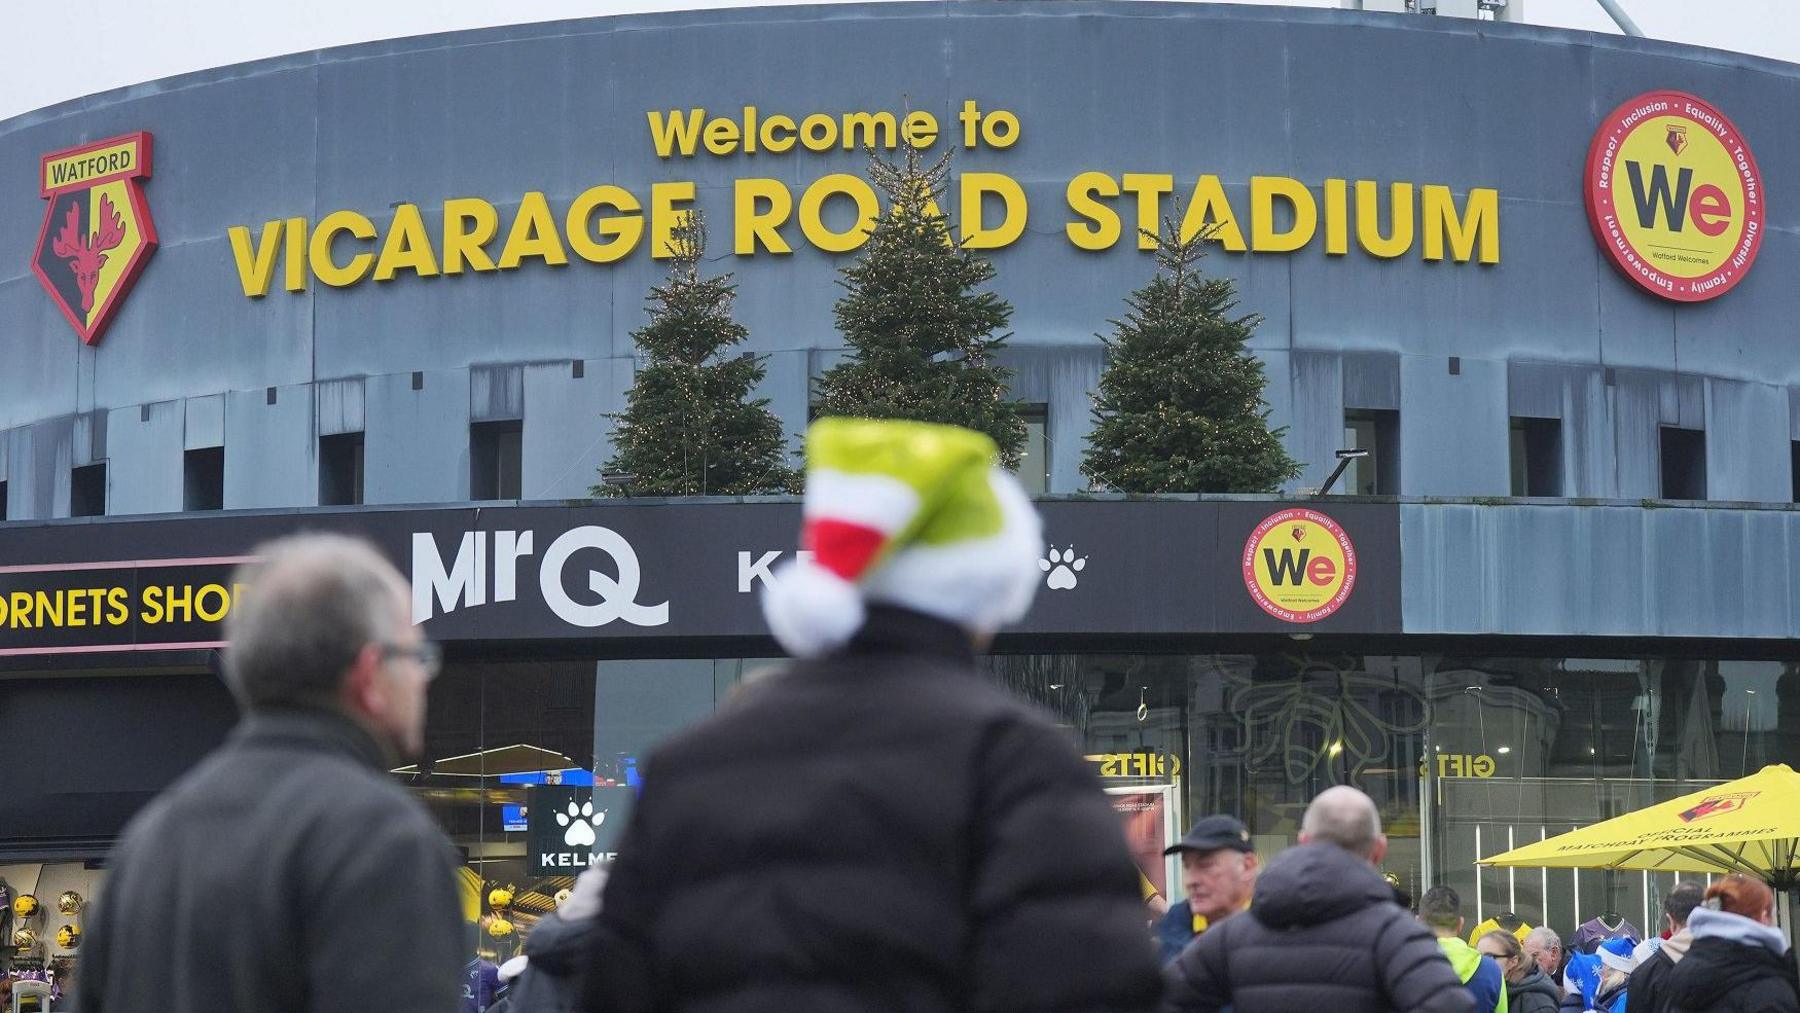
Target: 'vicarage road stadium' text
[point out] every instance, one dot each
(606, 223)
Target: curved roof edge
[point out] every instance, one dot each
(883, 11)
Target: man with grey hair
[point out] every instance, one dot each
(1347, 818)
(288, 872)
(1543, 945)
(1323, 932)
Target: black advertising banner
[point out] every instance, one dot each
(1181, 567)
(88, 608)
(670, 570)
(569, 829)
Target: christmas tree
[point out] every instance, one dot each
(689, 427)
(921, 337)
(1180, 406)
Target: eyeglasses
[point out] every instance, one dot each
(429, 656)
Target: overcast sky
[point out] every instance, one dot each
(51, 52)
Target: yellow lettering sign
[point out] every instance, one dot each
(976, 235)
(760, 208)
(606, 223)
(533, 235)
(407, 248)
(319, 252)
(611, 238)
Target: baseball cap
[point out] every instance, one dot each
(1213, 833)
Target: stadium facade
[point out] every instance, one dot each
(1543, 277)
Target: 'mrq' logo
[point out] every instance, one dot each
(437, 589)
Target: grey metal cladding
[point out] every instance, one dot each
(204, 425)
(1550, 570)
(564, 442)
(145, 471)
(416, 447)
(1317, 428)
(1371, 380)
(1114, 88)
(496, 393)
(1742, 462)
(340, 406)
(271, 450)
(51, 455)
(1535, 389)
(1470, 458)
(89, 441)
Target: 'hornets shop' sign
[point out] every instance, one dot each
(97, 232)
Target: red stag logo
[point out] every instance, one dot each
(1715, 805)
(87, 254)
(97, 231)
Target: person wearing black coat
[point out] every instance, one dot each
(289, 872)
(1322, 933)
(547, 977)
(1738, 963)
(1650, 981)
(1534, 993)
(879, 826)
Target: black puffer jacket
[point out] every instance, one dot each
(1536, 994)
(1323, 933)
(1731, 968)
(884, 829)
(558, 950)
(1650, 982)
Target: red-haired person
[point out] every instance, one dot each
(1738, 961)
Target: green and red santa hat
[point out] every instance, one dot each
(909, 514)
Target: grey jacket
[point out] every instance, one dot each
(287, 872)
(1536, 994)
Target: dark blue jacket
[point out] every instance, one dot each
(1175, 931)
(1479, 974)
(1487, 985)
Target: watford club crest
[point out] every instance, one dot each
(1716, 805)
(97, 232)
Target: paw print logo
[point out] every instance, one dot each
(1062, 566)
(580, 822)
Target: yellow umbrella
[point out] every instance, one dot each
(1751, 825)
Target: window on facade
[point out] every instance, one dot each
(87, 490)
(1465, 756)
(1683, 463)
(508, 747)
(1794, 471)
(1378, 432)
(1536, 457)
(1034, 463)
(341, 469)
(3, 497)
(494, 460)
(203, 479)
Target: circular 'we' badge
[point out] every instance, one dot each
(1674, 196)
(1299, 565)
